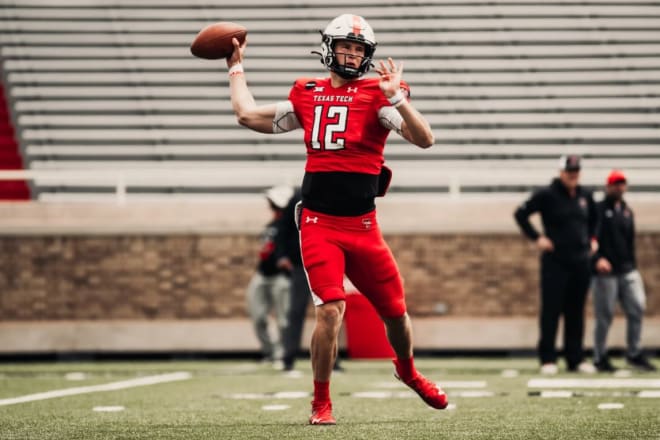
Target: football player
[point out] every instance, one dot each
(346, 119)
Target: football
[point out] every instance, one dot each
(214, 41)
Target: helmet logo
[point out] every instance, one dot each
(356, 26)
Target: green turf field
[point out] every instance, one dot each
(240, 400)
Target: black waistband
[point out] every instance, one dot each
(340, 193)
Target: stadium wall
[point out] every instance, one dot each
(89, 276)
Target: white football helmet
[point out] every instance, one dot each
(353, 28)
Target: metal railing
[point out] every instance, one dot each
(241, 180)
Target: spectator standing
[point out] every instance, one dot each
(289, 259)
(617, 277)
(268, 290)
(568, 214)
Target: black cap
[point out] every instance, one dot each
(570, 163)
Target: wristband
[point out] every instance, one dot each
(236, 69)
(397, 99)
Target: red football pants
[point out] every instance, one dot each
(332, 246)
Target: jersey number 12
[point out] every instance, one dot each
(327, 123)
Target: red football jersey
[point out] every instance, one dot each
(342, 130)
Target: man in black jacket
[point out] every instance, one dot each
(268, 289)
(290, 260)
(568, 213)
(299, 294)
(617, 276)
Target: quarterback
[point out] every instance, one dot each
(346, 120)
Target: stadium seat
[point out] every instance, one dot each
(507, 88)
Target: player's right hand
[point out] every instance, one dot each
(545, 244)
(603, 266)
(237, 55)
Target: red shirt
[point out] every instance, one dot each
(342, 130)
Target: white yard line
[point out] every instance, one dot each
(472, 393)
(116, 408)
(112, 386)
(649, 394)
(373, 394)
(275, 407)
(410, 394)
(593, 383)
(278, 395)
(510, 373)
(291, 395)
(556, 394)
(75, 376)
(462, 384)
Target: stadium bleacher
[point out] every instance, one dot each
(108, 92)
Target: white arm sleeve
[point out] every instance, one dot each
(390, 118)
(285, 119)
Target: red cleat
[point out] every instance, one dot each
(427, 390)
(322, 414)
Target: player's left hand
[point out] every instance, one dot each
(390, 77)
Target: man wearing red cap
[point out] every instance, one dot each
(617, 276)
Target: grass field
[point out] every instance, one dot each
(491, 399)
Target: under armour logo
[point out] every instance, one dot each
(352, 90)
(367, 223)
(311, 219)
(319, 89)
